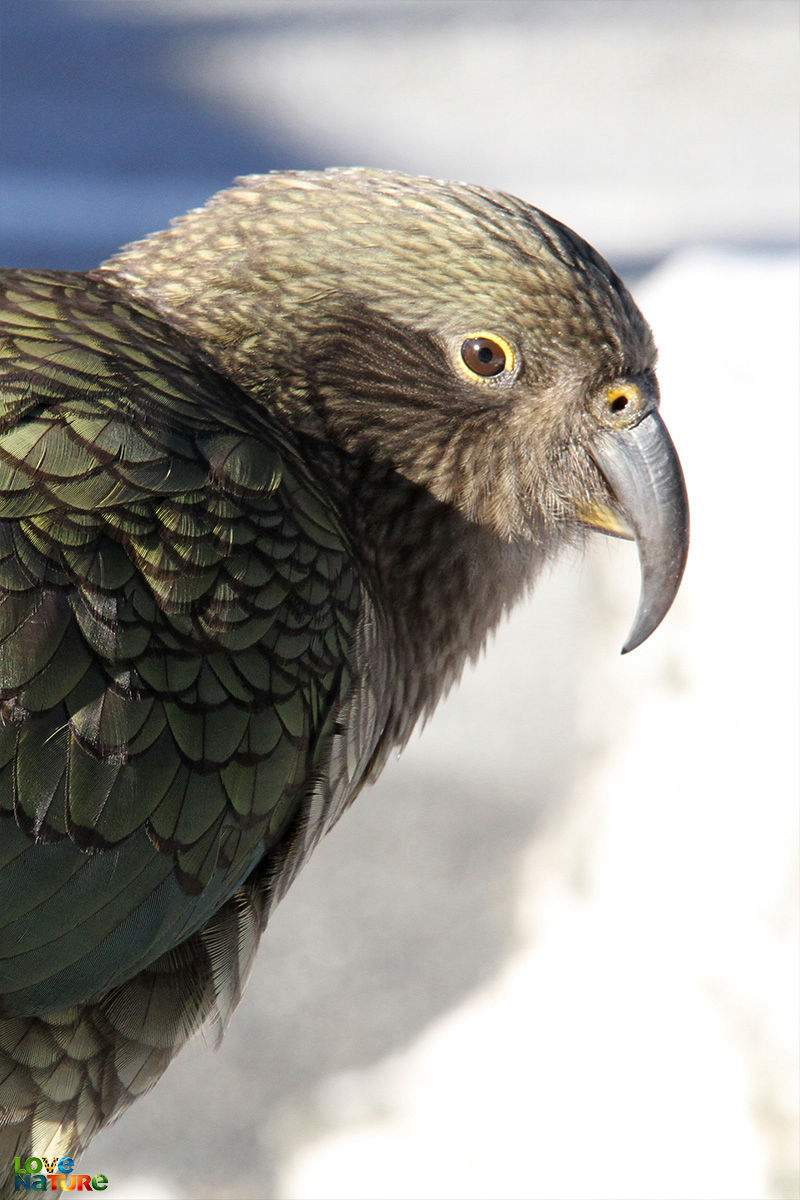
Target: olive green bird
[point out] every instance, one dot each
(267, 481)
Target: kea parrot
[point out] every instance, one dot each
(268, 479)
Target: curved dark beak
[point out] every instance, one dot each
(644, 474)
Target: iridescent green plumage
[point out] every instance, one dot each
(256, 513)
(176, 630)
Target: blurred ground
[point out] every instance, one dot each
(554, 951)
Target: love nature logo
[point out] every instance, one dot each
(36, 1174)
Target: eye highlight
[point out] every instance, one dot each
(486, 355)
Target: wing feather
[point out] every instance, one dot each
(177, 616)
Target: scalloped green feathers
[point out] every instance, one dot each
(178, 610)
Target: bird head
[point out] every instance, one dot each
(455, 335)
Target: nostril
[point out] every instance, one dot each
(619, 404)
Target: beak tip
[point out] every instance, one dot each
(643, 471)
(635, 639)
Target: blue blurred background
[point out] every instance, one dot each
(553, 952)
(650, 121)
(102, 140)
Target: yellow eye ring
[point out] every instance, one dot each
(485, 355)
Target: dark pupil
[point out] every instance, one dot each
(483, 356)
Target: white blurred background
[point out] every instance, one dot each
(554, 952)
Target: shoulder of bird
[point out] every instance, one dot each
(267, 480)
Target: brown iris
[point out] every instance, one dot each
(486, 355)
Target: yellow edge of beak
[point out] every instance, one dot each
(599, 516)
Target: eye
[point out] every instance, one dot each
(486, 354)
